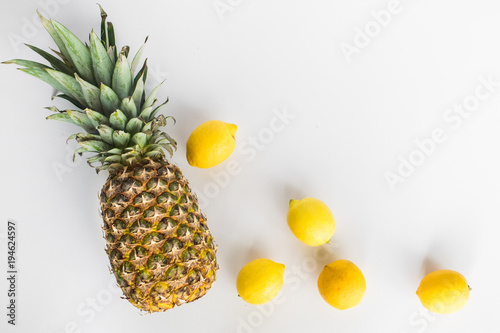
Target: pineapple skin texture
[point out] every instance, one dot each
(159, 246)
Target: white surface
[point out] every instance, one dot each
(352, 121)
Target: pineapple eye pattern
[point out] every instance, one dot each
(138, 252)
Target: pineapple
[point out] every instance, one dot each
(159, 246)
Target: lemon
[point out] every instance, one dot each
(311, 221)
(342, 284)
(444, 291)
(260, 281)
(211, 143)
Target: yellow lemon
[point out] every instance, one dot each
(210, 144)
(342, 284)
(311, 221)
(444, 291)
(260, 281)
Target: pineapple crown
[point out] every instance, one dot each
(121, 125)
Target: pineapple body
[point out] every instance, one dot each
(160, 248)
(158, 242)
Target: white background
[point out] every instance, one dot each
(353, 122)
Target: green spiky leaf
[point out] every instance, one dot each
(121, 139)
(146, 113)
(56, 63)
(111, 38)
(138, 94)
(101, 62)
(106, 133)
(138, 55)
(95, 146)
(122, 77)
(68, 84)
(63, 116)
(140, 139)
(134, 125)
(109, 99)
(96, 118)
(71, 100)
(26, 63)
(151, 98)
(56, 37)
(80, 137)
(80, 118)
(91, 94)
(118, 120)
(128, 107)
(78, 52)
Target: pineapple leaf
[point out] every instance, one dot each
(111, 38)
(138, 55)
(128, 107)
(151, 98)
(96, 158)
(71, 99)
(104, 31)
(79, 151)
(155, 111)
(134, 125)
(43, 75)
(101, 62)
(112, 55)
(115, 151)
(145, 114)
(80, 137)
(63, 116)
(140, 139)
(71, 137)
(109, 99)
(147, 128)
(168, 148)
(167, 139)
(155, 154)
(80, 118)
(125, 50)
(122, 77)
(56, 63)
(91, 94)
(69, 85)
(142, 74)
(113, 159)
(52, 108)
(121, 139)
(106, 133)
(96, 118)
(78, 52)
(118, 120)
(94, 146)
(56, 37)
(26, 63)
(138, 93)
